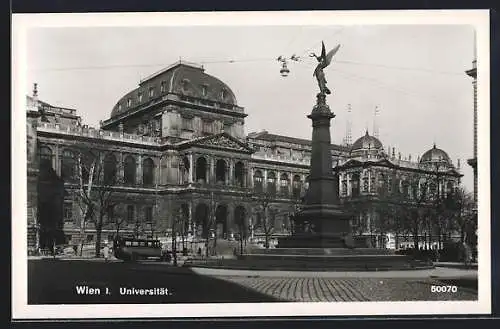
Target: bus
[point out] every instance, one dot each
(132, 249)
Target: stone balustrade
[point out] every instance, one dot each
(97, 133)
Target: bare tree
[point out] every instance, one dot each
(263, 202)
(96, 180)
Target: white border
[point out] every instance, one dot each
(21, 23)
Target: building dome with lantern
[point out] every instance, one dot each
(435, 155)
(367, 145)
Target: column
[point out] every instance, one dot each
(290, 184)
(250, 179)
(120, 167)
(207, 171)
(231, 172)
(212, 179)
(264, 183)
(190, 218)
(277, 183)
(138, 174)
(57, 164)
(191, 167)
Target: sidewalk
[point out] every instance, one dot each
(457, 265)
(438, 272)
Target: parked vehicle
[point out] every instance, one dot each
(132, 249)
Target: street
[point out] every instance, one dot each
(62, 281)
(95, 282)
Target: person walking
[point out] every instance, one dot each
(106, 252)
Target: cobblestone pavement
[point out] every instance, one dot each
(322, 289)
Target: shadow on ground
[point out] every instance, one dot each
(56, 281)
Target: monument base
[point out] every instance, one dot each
(323, 240)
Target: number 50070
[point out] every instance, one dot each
(444, 288)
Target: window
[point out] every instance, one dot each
(110, 213)
(109, 169)
(130, 213)
(119, 107)
(90, 238)
(284, 184)
(129, 102)
(187, 123)
(140, 97)
(163, 86)
(223, 94)
(204, 90)
(148, 214)
(148, 172)
(207, 126)
(151, 91)
(257, 178)
(271, 182)
(355, 185)
(68, 165)
(68, 211)
(296, 186)
(45, 154)
(129, 170)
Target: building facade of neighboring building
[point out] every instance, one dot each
(177, 147)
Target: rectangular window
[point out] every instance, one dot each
(129, 102)
(130, 213)
(162, 86)
(151, 92)
(110, 212)
(148, 214)
(68, 212)
(140, 97)
(187, 124)
(207, 126)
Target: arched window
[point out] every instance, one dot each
(220, 171)
(297, 186)
(355, 184)
(405, 188)
(239, 173)
(257, 180)
(382, 184)
(45, 154)
(148, 172)
(68, 165)
(129, 170)
(185, 170)
(110, 169)
(449, 188)
(201, 170)
(271, 183)
(365, 183)
(284, 184)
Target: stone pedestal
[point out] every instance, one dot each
(321, 223)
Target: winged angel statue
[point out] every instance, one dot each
(323, 61)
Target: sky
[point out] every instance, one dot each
(415, 75)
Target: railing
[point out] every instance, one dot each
(285, 159)
(97, 133)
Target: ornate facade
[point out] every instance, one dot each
(178, 149)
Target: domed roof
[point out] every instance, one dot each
(180, 78)
(367, 142)
(435, 155)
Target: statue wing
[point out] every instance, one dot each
(330, 55)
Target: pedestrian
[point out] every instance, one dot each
(106, 252)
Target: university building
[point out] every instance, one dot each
(177, 147)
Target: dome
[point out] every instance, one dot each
(367, 142)
(180, 78)
(435, 155)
